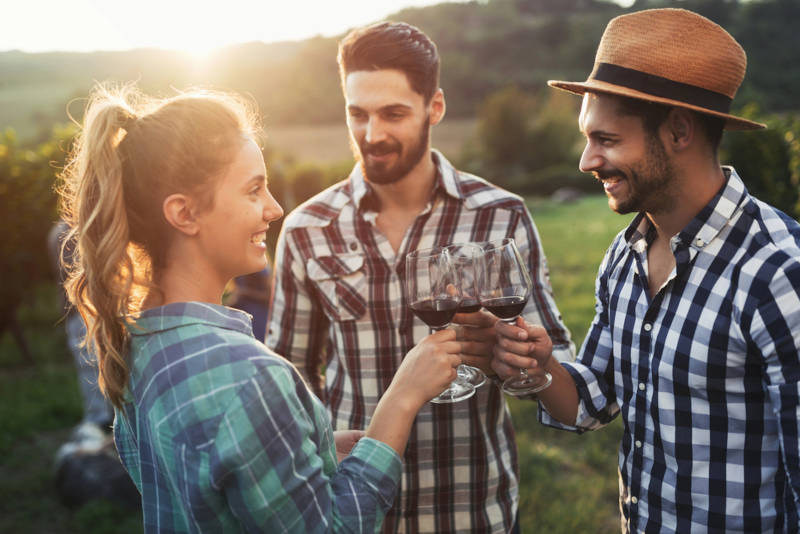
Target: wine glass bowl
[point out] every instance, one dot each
(504, 288)
(433, 290)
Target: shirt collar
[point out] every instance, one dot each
(705, 226)
(446, 181)
(178, 314)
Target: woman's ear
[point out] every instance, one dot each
(179, 212)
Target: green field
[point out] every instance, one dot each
(569, 482)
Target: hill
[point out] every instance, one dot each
(484, 45)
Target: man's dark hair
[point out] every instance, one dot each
(392, 45)
(653, 115)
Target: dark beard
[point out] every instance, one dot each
(650, 182)
(380, 174)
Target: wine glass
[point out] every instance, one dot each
(465, 256)
(504, 287)
(433, 290)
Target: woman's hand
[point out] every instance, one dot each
(428, 368)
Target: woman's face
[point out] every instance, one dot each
(233, 231)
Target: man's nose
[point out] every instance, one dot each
(375, 131)
(590, 159)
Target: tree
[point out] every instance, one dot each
(27, 212)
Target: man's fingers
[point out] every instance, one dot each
(510, 331)
(514, 360)
(517, 347)
(481, 319)
(477, 348)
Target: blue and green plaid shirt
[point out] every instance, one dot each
(222, 435)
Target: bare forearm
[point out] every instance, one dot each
(391, 423)
(561, 397)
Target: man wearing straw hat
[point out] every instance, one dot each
(696, 335)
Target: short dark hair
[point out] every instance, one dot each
(653, 115)
(392, 45)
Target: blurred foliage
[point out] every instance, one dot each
(27, 212)
(769, 160)
(528, 143)
(485, 46)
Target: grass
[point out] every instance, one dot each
(568, 482)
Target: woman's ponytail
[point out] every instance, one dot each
(102, 279)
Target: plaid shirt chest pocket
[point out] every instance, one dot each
(342, 283)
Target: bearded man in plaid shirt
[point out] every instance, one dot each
(339, 299)
(697, 332)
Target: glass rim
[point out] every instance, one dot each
(426, 252)
(498, 243)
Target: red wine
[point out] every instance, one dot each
(469, 306)
(505, 307)
(435, 313)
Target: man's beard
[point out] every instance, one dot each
(381, 173)
(649, 182)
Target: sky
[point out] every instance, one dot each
(196, 26)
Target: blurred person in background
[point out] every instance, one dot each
(696, 335)
(338, 295)
(87, 466)
(251, 294)
(168, 201)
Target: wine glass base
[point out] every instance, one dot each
(458, 390)
(527, 385)
(474, 376)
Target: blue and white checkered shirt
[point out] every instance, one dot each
(705, 374)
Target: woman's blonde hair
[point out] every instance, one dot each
(133, 152)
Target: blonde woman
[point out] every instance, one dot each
(169, 200)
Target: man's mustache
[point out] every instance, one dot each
(379, 149)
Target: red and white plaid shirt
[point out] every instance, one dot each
(339, 302)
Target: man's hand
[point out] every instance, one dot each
(521, 346)
(345, 440)
(477, 335)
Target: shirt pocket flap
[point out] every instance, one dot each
(342, 283)
(330, 267)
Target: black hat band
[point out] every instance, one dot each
(662, 87)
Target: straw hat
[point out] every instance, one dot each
(671, 56)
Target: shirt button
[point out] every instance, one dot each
(638, 444)
(353, 246)
(647, 327)
(699, 241)
(634, 500)
(642, 386)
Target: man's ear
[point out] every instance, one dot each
(438, 107)
(679, 129)
(179, 212)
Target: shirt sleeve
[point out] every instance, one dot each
(541, 308)
(775, 329)
(593, 371)
(276, 464)
(298, 326)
